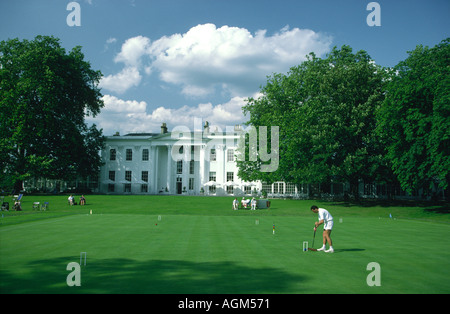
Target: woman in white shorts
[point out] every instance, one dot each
(326, 219)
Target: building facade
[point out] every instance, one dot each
(177, 162)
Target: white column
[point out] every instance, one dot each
(202, 166)
(153, 170)
(170, 187)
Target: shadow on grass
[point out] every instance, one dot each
(149, 277)
(348, 250)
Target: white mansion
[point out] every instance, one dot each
(177, 162)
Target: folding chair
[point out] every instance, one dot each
(36, 206)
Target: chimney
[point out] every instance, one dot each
(206, 127)
(163, 128)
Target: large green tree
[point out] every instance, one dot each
(415, 118)
(45, 94)
(325, 110)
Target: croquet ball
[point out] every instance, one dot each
(156, 224)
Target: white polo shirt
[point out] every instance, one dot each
(327, 219)
(325, 215)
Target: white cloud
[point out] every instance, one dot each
(207, 59)
(231, 58)
(111, 40)
(116, 105)
(131, 54)
(122, 81)
(128, 116)
(132, 51)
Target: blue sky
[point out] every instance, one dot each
(175, 61)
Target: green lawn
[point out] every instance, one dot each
(168, 244)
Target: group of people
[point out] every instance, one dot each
(71, 200)
(245, 203)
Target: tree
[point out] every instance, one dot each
(45, 94)
(414, 120)
(325, 110)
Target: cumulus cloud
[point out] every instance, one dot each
(121, 81)
(230, 58)
(128, 116)
(116, 105)
(207, 59)
(132, 51)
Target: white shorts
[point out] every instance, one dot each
(328, 225)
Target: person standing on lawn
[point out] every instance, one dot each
(326, 219)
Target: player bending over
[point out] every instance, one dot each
(326, 219)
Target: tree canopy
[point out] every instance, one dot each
(414, 120)
(45, 94)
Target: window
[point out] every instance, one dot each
(128, 176)
(112, 176)
(266, 187)
(144, 176)
(127, 188)
(144, 188)
(179, 167)
(278, 187)
(230, 176)
(191, 183)
(212, 177)
(129, 154)
(230, 155)
(191, 167)
(111, 187)
(290, 188)
(212, 155)
(145, 154)
(112, 154)
(230, 189)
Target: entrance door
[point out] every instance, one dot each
(179, 186)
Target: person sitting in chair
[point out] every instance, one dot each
(245, 202)
(82, 200)
(17, 206)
